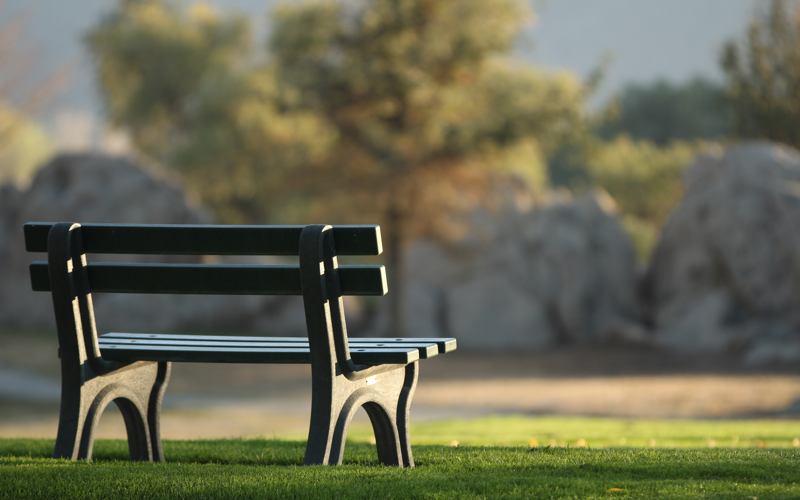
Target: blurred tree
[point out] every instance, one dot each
(23, 149)
(763, 73)
(400, 112)
(425, 114)
(154, 62)
(188, 86)
(664, 112)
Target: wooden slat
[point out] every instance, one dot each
(292, 355)
(444, 345)
(205, 240)
(212, 279)
(426, 350)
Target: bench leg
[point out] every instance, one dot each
(386, 398)
(387, 439)
(136, 389)
(154, 409)
(320, 434)
(404, 412)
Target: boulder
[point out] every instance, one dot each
(95, 188)
(725, 275)
(562, 272)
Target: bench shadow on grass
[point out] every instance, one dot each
(236, 451)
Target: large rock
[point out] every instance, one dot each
(560, 273)
(725, 275)
(93, 188)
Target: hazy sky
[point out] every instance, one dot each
(649, 39)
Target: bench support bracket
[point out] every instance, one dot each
(386, 397)
(88, 382)
(339, 386)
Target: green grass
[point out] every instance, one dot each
(257, 468)
(520, 430)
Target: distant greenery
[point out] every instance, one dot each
(272, 469)
(664, 112)
(763, 75)
(649, 135)
(602, 432)
(644, 180)
(642, 177)
(639, 147)
(24, 147)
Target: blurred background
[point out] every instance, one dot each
(600, 201)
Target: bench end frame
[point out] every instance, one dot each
(88, 382)
(339, 386)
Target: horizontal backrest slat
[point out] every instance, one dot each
(205, 240)
(212, 279)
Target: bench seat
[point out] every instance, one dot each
(244, 349)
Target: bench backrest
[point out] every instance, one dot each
(208, 240)
(69, 276)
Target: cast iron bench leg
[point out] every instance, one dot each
(136, 389)
(90, 383)
(386, 397)
(404, 412)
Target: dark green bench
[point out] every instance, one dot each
(132, 369)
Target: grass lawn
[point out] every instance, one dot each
(588, 458)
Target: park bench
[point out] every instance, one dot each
(132, 369)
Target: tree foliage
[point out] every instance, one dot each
(188, 86)
(24, 149)
(763, 75)
(644, 179)
(398, 112)
(361, 87)
(664, 112)
(156, 63)
(416, 97)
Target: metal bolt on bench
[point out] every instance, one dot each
(132, 369)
